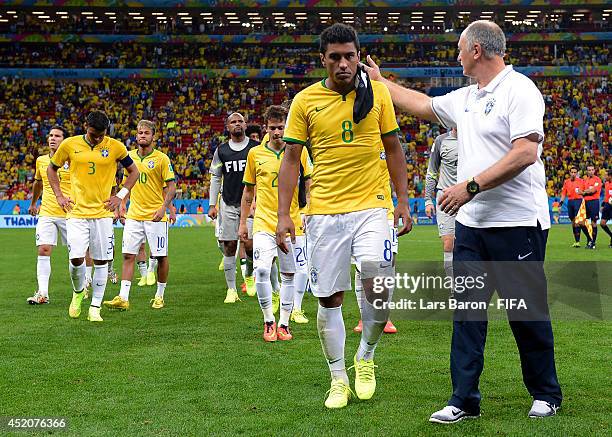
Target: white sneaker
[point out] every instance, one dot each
(450, 414)
(542, 409)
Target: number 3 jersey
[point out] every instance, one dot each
(346, 155)
(262, 168)
(92, 173)
(147, 196)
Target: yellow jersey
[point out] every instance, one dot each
(346, 155)
(265, 139)
(92, 173)
(48, 205)
(147, 196)
(384, 175)
(262, 167)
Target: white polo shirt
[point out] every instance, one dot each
(487, 121)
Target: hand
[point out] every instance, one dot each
(112, 204)
(159, 214)
(285, 226)
(65, 202)
(33, 210)
(402, 211)
(429, 211)
(122, 212)
(243, 232)
(454, 198)
(212, 212)
(372, 69)
(252, 210)
(172, 216)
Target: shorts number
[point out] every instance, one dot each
(275, 180)
(161, 242)
(92, 167)
(394, 235)
(142, 178)
(111, 245)
(388, 253)
(300, 256)
(347, 132)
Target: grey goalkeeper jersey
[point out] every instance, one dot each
(442, 168)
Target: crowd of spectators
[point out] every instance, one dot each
(190, 116)
(266, 23)
(132, 55)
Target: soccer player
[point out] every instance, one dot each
(591, 194)
(227, 169)
(572, 190)
(606, 208)
(253, 131)
(344, 117)
(52, 218)
(502, 214)
(441, 174)
(261, 173)
(93, 162)
(146, 218)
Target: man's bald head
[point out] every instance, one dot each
(236, 125)
(489, 35)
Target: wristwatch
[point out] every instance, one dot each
(472, 187)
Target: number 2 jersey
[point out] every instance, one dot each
(346, 156)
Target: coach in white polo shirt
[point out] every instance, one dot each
(502, 213)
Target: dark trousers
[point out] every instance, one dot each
(513, 259)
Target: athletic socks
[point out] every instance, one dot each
(584, 229)
(77, 276)
(594, 233)
(274, 277)
(98, 284)
(358, 290)
(605, 228)
(576, 230)
(153, 265)
(448, 264)
(124, 292)
(243, 267)
(264, 293)
(332, 334)
(142, 268)
(229, 267)
(301, 279)
(161, 287)
(286, 298)
(43, 272)
(88, 273)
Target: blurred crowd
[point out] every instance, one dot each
(133, 55)
(190, 115)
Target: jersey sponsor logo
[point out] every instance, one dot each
(151, 164)
(235, 165)
(489, 105)
(104, 153)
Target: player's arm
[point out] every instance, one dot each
(37, 188)
(287, 182)
(65, 202)
(563, 193)
(216, 172)
(406, 100)
(431, 179)
(114, 201)
(396, 164)
(170, 192)
(246, 203)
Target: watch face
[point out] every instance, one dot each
(472, 187)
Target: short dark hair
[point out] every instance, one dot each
(62, 128)
(573, 167)
(338, 33)
(276, 112)
(98, 120)
(253, 129)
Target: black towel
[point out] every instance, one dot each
(364, 98)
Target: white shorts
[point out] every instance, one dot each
(135, 232)
(265, 250)
(47, 229)
(299, 249)
(394, 240)
(333, 239)
(95, 234)
(446, 222)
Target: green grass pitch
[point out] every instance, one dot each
(199, 367)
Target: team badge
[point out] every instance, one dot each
(151, 164)
(383, 156)
(256, 254)
(489, 105)
(314, 275)
(104, 153)
(66, 166)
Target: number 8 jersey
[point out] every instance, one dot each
(346, 155)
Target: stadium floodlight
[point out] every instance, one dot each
(3, 20)
(183, 13)
(417, 13)
(438, 21)
(98, 21)
(11, 12)
(161, 18)
(87, 13)
(416, 21)
(578, 15)
(534, 12)
(44, 16)
(138, 18)
(210, 13)
(38, 13)
(134, 13)
(65, 17)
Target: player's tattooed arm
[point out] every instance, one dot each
(287, 181)
(169, 192)
(396, 164)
